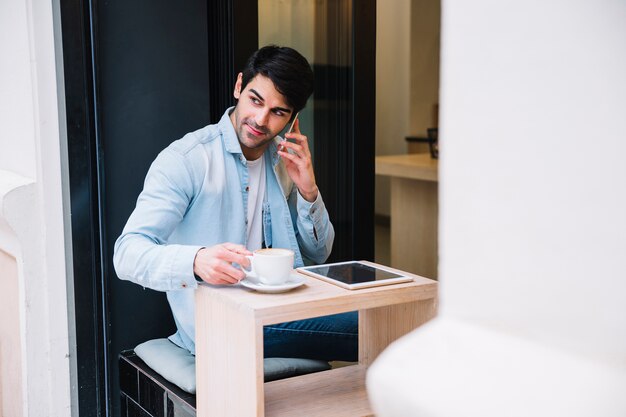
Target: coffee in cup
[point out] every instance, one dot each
(271, 266)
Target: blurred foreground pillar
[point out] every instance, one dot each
(532, 240)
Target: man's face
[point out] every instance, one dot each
(261, 114)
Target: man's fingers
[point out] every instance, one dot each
(214, 264)
(293, 158)
(233, 257)
(298, 149)
(220, 278)
(236, 253)
(233, 247)
(298, 137)
(301, 141)
(220, 274)
(227, 269)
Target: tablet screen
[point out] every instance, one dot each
(353, 273)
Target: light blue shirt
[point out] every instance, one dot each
(194, 196)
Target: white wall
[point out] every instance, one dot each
(16, 106)
(32, 218)
(407, 79)
(532, 219)
(424, 65)
(393, 59)
(10, 344)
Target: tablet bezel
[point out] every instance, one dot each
(397, 280)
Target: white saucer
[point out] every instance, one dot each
(295, 280)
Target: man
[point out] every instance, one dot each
(217, 194)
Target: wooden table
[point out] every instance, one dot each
(414, 211)
(229, 346)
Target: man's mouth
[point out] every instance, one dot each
(254, 131)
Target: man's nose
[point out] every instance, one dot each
(262, 117)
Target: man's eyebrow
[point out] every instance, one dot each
(260, 97)
(256, 93)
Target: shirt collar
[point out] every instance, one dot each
(231, 143)
(272, 151)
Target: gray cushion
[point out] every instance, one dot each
(173, 363)
(178, 366)
(279, 368)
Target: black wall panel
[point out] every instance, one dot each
(152, 87)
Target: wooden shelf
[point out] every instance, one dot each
(335, 393)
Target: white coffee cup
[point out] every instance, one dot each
(271, 266)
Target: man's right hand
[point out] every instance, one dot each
(214, 264)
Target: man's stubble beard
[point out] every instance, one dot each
(243, 133)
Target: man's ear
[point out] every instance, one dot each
(237, 91)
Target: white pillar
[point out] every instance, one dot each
(33, 223)
(393, 104)
(532, 221)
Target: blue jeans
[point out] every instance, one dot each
(327, 338)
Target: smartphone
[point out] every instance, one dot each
(281, 147)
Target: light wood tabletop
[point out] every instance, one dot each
(317, 298)
(417, 166)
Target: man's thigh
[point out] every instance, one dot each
(328, 338)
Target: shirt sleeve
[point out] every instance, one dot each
(315, 231)
(142, 253)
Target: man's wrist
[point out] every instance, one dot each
(310, 196)
(195, 275)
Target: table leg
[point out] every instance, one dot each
(229, 360)
(380, 326)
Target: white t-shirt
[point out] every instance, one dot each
(256, 194)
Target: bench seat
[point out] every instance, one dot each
(158, 378)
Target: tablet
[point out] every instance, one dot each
(354, 274)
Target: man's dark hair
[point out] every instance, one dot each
(289, 71)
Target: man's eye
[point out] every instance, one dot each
(255, 100)
(279, 112)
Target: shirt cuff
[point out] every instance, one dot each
(182, 276)
(310, 209)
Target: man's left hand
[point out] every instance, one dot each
(299, 164)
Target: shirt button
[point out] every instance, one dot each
(247, 188)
